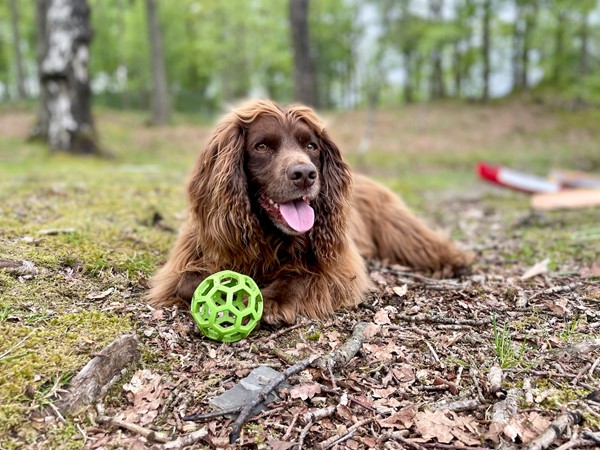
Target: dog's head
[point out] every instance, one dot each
(267, 165)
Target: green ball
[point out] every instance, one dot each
(227, 306)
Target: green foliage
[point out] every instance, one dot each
(508, 352)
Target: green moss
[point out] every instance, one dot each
(38, 359)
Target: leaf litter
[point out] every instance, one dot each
(420, 377)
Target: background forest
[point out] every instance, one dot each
(380, 51)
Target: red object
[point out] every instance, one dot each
(519, 181)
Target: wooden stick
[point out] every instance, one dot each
(555, 429)
(97, 375)
(340, 437)
(155, 436)
(186, 440)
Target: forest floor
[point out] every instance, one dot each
(487, 360)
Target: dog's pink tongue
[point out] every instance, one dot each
(298, 215)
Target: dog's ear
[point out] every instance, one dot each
(333, 203)
(218, 194)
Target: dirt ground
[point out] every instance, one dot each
(500, 357)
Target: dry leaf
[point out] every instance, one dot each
(445, 426)
(381, 317)
(305, 391)
(371, 330)
(538, 269)
(403, 419)
(101, 295)
(400, 291)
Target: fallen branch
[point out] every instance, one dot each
(155, 436)
(342, 356)
(262, 395)
(555, 429)
(188, 439)
(558, 289)
(504, 410)
(99, 374)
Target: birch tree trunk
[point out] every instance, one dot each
(14, 13)
(304, 74)
(160, 101)
(64, 116)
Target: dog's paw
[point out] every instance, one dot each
(456, 265)
(277, 315)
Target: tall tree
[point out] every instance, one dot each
(486, 48)
(64, 115)
(304, 73)
(160, 100)
(14, 13)
(437, 87)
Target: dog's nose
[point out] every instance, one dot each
(302, 175)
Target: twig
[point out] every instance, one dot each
(262, 395)
(554, 430)
(289, 430)
(303, 433)
(331, 376)
(422, 318)
(580, 374)
(473, 373)
(156, 436)
(451, 446)
(340, 437)
(434, 354)
(593, 436)
(558, 289)
(318, 414)
(338, 441)
(593, 368)
(197, 417)
(425, 280)
(186, 440)
(398, 436)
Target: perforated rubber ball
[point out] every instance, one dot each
(227, 306)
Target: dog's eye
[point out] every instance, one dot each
(261, 146)
(311, 146)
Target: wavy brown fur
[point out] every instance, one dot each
(310, 274)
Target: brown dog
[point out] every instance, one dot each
(271, 197)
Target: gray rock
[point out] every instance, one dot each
(247, 390)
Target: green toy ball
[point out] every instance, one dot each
(227, 306)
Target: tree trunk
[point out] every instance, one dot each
(304, 74)
(517, 39)
(530, 23)
(160, 101)
(457, 68)
(437, 89)
(487, 17)
(559, 45)
(584, 53)
(14, 12)
(64, 116)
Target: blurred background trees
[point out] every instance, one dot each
(332, 54)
